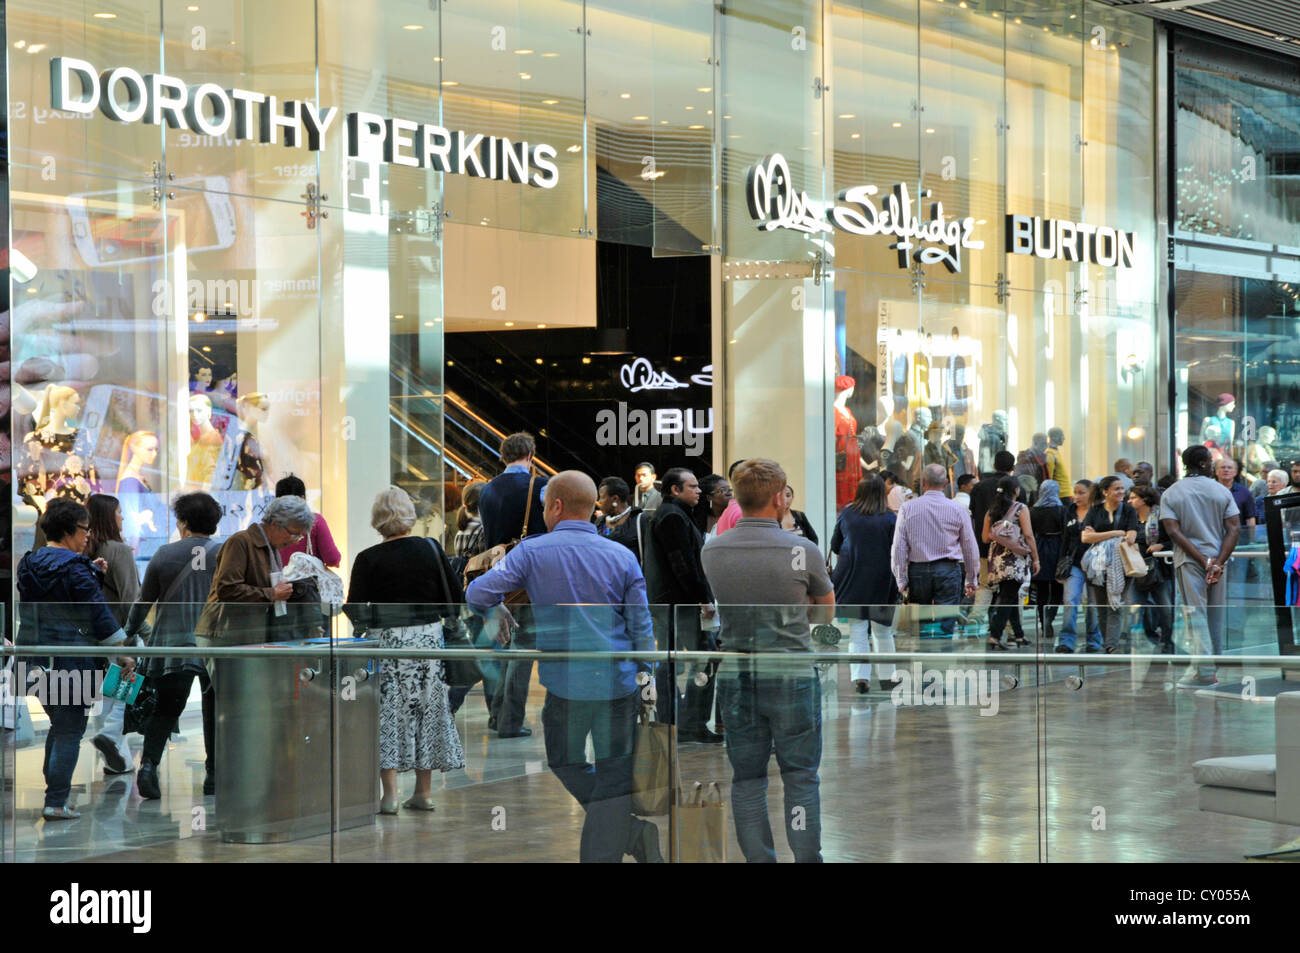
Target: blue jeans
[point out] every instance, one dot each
(1074, 590)
(763, 712)
(936, 584)
(604, 789)
(62, 748)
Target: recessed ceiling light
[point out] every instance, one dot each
(525, 75)
(399, 317)
(695, 127)
(624, 95)
(704, 89)
(105, 16)
(539, 360)
(726, 116)
(846, 115)
(574, 148)
(640, 118)
(498, 360)
(413, 26)
(35, 47)
(522, 52)
(206, 348)
(548, 55)
(690, 107)
(437, 59)
(897, 125)
(219, 331)
(929, 131)
(20, 44)
(200, 317)
(663, 122)
(510, 324)
(708, 112)
(193, 8)
(586, 360)
(450, 82)
(429, 324)
(541, 325)
(733, 137)
(855, 136)
(550, 102)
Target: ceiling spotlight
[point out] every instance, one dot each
(522, 52)
(624, 95)
(574, 148)
(104, 16)
(413, 26)
(550, 102)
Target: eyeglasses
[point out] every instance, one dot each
(83, 527)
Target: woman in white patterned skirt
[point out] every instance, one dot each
(402, 592)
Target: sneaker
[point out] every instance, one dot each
(1198, 681)
(1064, 650)
(64, 813)
(114, 763)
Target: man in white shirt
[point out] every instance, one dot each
(964, 483)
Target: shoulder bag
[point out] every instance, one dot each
(485, 561)
(459, 673)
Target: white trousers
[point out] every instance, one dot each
(867, 636)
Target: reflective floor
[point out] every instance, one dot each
(928, 782)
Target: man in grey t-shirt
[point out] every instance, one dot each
(771, 586)
(1202, 519)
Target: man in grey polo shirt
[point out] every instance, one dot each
(770, 585)
(1201, 518)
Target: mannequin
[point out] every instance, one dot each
(920, 426)
(140, 450)
(920, 381)
(1213, 440)
(848, 461)
(251, 461)
(55, 463)
(1259, 451)
(1222, 419)
(200, 378)
(993, 438)
(207, 443)
(962, 454)
(899, 374)
(960, 371)
(936, 452)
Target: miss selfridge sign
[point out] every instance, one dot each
(124, 95)
(774, 203)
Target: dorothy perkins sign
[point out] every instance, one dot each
(922, 232)
(124, 95)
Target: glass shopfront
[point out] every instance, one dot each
(360, 243)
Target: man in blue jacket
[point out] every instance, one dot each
(503, 508)
(75, 612)
(588, 595)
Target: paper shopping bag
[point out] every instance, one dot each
(1131, 557)
(651, 785)
(702, 825)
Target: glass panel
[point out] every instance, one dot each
(1237, 141)
(1045, 49)
(48, 144)
(513, 69)
(268, 50)
(650, 103)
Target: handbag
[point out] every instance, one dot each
(651, 766)
(485, 561)
(1007, 533)
(883, 615)
(1135, 565)
(702, 825)
(458, 673)
(137, 715)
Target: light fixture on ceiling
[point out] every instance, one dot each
(898, 125)
(450, 82)
(624, 95)
(704, 89)
(640, 118)
(695, 127)
(574, 148)
(525, 75)
(412, 26)
(35, 47)
(856, 136)
(510, 324)
(522, 52)
(846, 116)
(104, 16)
(550, 102)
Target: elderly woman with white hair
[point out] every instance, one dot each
(1279, 482)
(400, 592)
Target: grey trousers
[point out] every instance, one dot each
(511, 699)
(1204, 612)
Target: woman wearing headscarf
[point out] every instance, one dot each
(1047, 518)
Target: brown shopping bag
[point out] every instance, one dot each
(1135, 564)
(651, 787)
(702, 825)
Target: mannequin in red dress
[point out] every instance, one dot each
(848, 462)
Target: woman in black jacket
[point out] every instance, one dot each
(403, 591)
(864, 583)
(1047, 517)
(1155, 591)
(796, 521)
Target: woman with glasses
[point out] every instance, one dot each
(62, 604)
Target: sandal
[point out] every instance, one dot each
(1021, 643)
(419, 803)
(994, 646)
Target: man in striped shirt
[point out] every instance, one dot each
(934, 546)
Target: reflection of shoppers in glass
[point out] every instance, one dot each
(62, 602)
(863, 538)
(1109, 518)
(1009, 569)
(55, 464)
(1056, 467)
(769, 699)
(1201, 518)
(1155, 590)
(320, 541)
(397, 595)
(206, 443)
(179, 580)
(121, 585)
(1047, 517)
(1069, 571)
(139, 450)
(848, 458)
